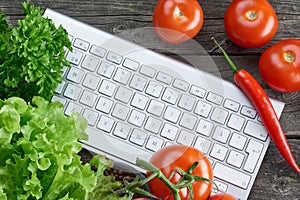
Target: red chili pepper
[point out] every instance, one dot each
(260, 100)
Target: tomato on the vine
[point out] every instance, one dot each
(279, 66)
(176, 21)
(181, 157)
(251, 23)
(222, 196)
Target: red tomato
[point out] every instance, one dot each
(221, 196)
(279, 66)
(251, 23)
(181, 157)
(176, 21)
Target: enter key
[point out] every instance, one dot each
(254, 150)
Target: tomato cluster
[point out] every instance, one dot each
(181, 157)
(179, 164)
(248, 24)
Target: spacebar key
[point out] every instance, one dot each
(231, 175)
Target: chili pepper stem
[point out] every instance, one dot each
(230, 62)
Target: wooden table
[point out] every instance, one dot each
(276, 180)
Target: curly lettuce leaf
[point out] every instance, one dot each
(42, 144)
(39, 148)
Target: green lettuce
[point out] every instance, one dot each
(39, 158)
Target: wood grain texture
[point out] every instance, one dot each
(275, 180)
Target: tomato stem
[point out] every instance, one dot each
(289, 57)
(230, 62)
(251, 15)
(180, 14)
(157, 173)
(186, 180)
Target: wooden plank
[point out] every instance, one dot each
(275, 180)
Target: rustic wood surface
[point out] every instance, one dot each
(275, 180)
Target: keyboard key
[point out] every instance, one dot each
(57, 98)
(105, 123)
(70, 37)
(148, 71)
(256, 130)
(107, 88)
(249, 112)
(73, 108)
(214, 98)
(181, 84)
(197, 91)
(231, 105)
(75, 74)
(122, 130)
(81, 44)
(88, 98)
(219, 115)
(106, 69)
(155, 108)
(154, 89)
(169, 131)
(130, 64)
(104, 105)
(153, 125)
(123, 94)
(120, 111)
(65, 69)
(72, 91)
(90, 63)
(138, 82)
(138, 137)
(238, 141)
(139, 101)
(136, 118)
(236, 122)
(60, 87)
(91, 81)
(204, 127)
(202, 144)
(91, 116)
(186, 102)
(113, 57)
(154, 143)
(164, 78)
(218, 152)
(231, 175)
(254, 150)
(203, 109)
(188, 121)
(74, 56)
(185, 137)
(170, 96)
(221, 187)
(122, 76)
(97, 51)
(235, 158)
(172, 114)
(221, 134)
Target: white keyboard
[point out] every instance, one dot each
(136, 101)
